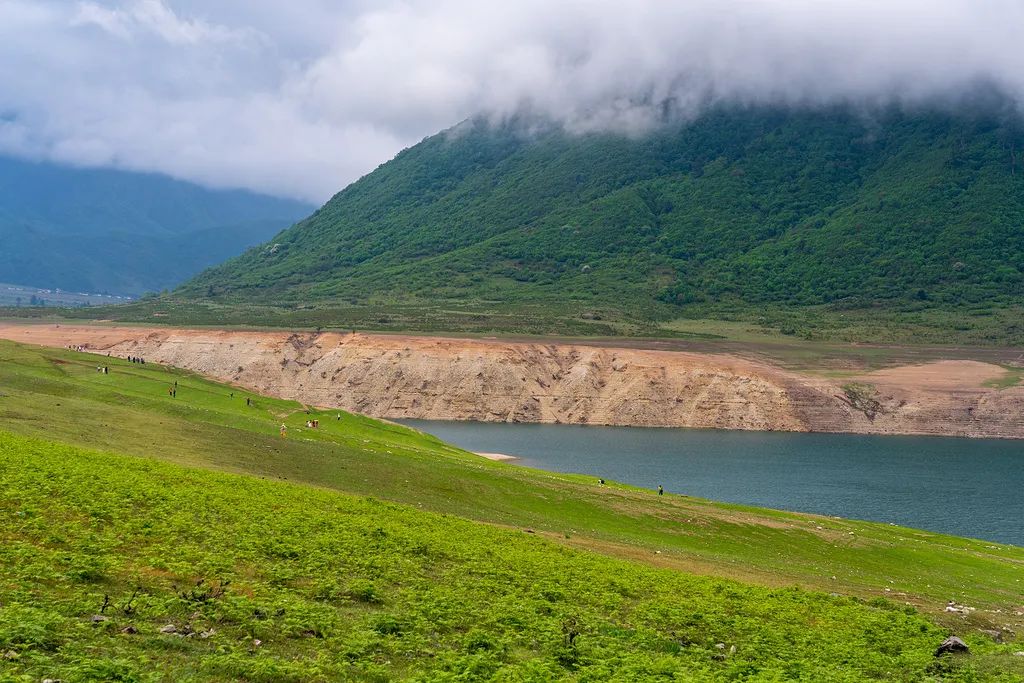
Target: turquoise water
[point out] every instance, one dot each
(966, 487)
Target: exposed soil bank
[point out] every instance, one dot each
(494, 380)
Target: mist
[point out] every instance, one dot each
(301, 100)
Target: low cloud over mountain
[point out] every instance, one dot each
(303, 97)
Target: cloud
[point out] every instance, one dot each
(301, 98)
(153, 17)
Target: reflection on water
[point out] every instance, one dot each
(966, 487)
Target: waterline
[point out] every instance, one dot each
(965, 487)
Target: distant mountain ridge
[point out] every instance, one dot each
(745, 206)
(99, 230)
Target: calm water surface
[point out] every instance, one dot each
(966, 487)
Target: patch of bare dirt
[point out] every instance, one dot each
(943, 376)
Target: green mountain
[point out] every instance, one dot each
(101, 230)
(744, 208)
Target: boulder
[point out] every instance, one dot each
(952, 644)
(993, 634)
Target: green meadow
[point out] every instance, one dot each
(149, 537)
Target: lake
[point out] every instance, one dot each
(965, 487)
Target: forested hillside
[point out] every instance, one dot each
(745, 207)
(101, 230)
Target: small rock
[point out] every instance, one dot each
(732, 649)
(206, 634)
(129, 630)
(98, 618)
(169, 628)
(11, 655)
(952, 644)
(1019, 653)
(951, 606)
(993, 634)
(256, 642)
(720, 646)
(51, 680)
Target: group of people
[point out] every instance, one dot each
(83, 348)
(172, 391)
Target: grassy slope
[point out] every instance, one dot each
(268, 581)
(59, 395)
(338, 586)
(805, 219)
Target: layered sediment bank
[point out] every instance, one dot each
(435, 378)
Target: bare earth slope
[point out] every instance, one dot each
(494, 380)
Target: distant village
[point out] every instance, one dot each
(22, 295)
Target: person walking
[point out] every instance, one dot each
(661, 491)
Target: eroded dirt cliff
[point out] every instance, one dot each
(494, 380)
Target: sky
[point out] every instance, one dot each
(300, 98)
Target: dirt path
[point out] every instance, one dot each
(398, 376)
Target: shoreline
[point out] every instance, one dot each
(497, 457)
